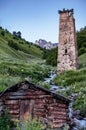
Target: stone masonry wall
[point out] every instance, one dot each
(67, 47)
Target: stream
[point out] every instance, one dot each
(74, 122)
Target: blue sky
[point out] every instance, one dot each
(39, 18)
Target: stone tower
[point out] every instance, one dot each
(67, 47)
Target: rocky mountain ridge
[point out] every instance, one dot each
(44, 44)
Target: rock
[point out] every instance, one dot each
(80, 124)
(76, 114)
(74, 128)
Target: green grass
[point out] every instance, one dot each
(27, 52)
(21, 64)
(26, 63)
(8, 80)
(76, 82)
(82, 61)
(14, 72)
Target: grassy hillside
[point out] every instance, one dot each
(82, 61)
(76, 82)
(19, 59)
(25, 49)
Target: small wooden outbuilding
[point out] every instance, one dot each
(26, 100)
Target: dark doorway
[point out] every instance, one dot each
(65, 51)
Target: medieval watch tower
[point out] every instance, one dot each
(67, 47)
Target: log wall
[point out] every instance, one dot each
(23, 104)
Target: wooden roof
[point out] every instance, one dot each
(15, 87)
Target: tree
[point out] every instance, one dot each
(5, 120)
(13, 45)
(17, 34)
(14, 33)
(0, 27)
(7, 31)
(82, 51)
(3, 33)
(81, 41)
(50, 56)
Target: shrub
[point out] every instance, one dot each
(46, 85)
(3, 33)
(5, 121)
(80, 103)
(13, 45)
(16, 38)
(17, 34)
(34, 124)
(21, 42)
(82, 51)
(76, 80)
(50, 56)
(81, 40)
(0, 27)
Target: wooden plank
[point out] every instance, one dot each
(35, 93)
(61, 105)
(15, 116)
(17, 94)
(40, 101)
(57, 125)
(39, 106)
(28, 97)
(16, 106)
(58, 105)
(59, 113)
(58, 121)
(57, 117)
(38, 113)
(35, 109)
(14, 111)
(57, 109)
(11, 102)
(50, 100)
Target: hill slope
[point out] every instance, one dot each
(25, 50)
(75, 82)
(19, 59)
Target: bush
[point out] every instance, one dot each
(46, 85)
(76, 80)
(16, 38)
(12, 73)
(82, 61)
(81, 41)
(5, 121)
(50, 56)
(82, 51)
(17, 34)
(13, 45)
(34, 124)
(0, 27)
(21, 42)
(80, 102)
(3, 33)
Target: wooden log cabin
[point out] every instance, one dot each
(26, 100)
